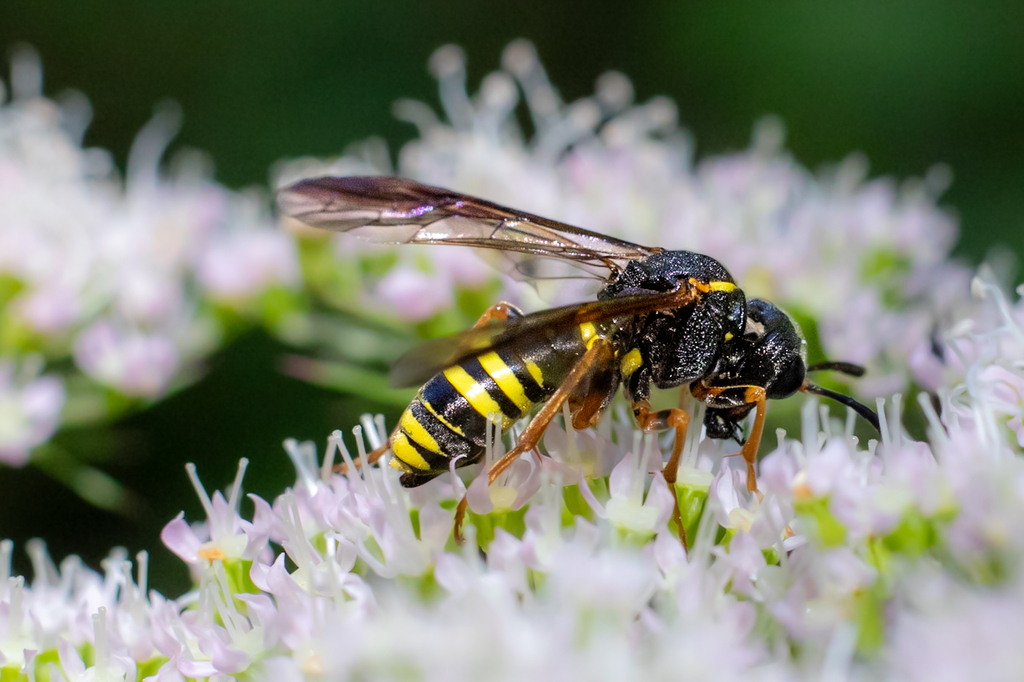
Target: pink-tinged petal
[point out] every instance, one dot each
(436, 525)
(261, 606)
(224, 658)
(265, 521)
(259, 573)
(621, 476)
(452, 573)
(195, 669)
(280, 583)
(503, 554)
(70, 661)
(255, 543)
(927, 368)
(168, 672)
(478, 496)
(1006, 386)
(590, 498)
(178, 537)
(659, 497)
(776, 473)
(669, 554)
(745, 561)
(826, 469)
(164, 616)
(723, 491)
(527, 481)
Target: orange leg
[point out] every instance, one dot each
(499, 311)
(679, 420)
(751, 394)
(371, 458)
(535, 429)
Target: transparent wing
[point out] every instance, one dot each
(427, 359)
(398, 211)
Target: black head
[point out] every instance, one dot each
(771, 353)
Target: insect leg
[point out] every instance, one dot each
(530, 437)
(672, 418)
(758, 397)
(371, 458)
(499, 311)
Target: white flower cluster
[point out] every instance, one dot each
(125, 277)
(903, 560)
(862, 264)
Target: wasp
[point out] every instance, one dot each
(663, 318)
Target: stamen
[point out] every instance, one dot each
(418, 114)
(327, 465)
(520, 59)
(26, 73)
(143, 169)
(234, 497)
(614, 91)
(338, 440)
(99, 628)
(16, 590)
(357, 432)
(936, 432)
(6, 552)
(457, 485)
(883, 425)
(299, 454)
(75, 114)
(498, 97)
(370, 430)
(572, 451)
(204, 499)
(826, 422)
(694, 436)
(142, 559)
(448, 65)
(43, 570)
(809, 427)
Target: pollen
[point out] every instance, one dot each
(212, 553)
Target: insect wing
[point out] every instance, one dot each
(426, 360)
(398, 211)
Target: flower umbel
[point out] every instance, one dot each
(892, 559)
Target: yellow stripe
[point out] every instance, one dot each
(631, 362)
(400, 465)
(438, 417)
(472, 391)
(506, 380)
(407, 453)
(535, 372)
(589, 334)
(715, 285)
(416, 432)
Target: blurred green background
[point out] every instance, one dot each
(910, 83)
